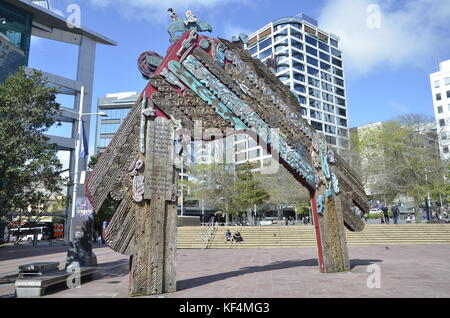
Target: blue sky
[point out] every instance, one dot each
(387, 66)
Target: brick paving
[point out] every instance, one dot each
(407, 271)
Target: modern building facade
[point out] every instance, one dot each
(21, 19)
(440, 88)
(116, 107)
(308, 60)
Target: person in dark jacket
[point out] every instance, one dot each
(395, 213)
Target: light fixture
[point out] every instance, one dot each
(3, 20)
(102, 114)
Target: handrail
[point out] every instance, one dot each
(207, 233)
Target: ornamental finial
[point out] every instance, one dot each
(180, 26)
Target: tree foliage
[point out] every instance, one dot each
(29, 167)
(400, 157)
(230, 190)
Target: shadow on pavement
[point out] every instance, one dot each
(204, 280)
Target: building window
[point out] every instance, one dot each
(330, 119)
(325, 66)
(333, 42)
(328, 107)
(339, 91)
(326, 77)
(265, 54)
(313, 71)
(296, 34)
(310, 40)
(340, 101)
(441, 122)
(440, 110)
(446, 80)
(315, 103)
(324, 47)
(448, 94)
(438, 96)
(298, 66)
(311, 51)
(338, 81)
(299, 88)
(342, 121)
(316, 125)
(327, 97)
(331, 140)
(324, 56)
(313, 82)
(299, 77)
(327, 87)
(253, 50)
(302, 100)
(297, 44)
(342, 112)
(336, 53)
(297, 55)
(312, 61)
(330, 129)
(314, 92)
(315, 114)
(303, 111)
(437, 84)
(337, 62)
(342, 132)
(338, 72)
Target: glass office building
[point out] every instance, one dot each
(116, 107)
(308, 60)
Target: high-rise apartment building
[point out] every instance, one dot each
(440, 88)
(309, 61)
(116, 107)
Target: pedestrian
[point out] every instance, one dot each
(237, 237)
(381, 218)
(228, 236)
(395, 213)
(385, 212)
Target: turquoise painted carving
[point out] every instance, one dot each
(195, 85)
(220, 54)
(320, 204)
(242, 38)
(205, 44)
(178, 27)
(329, 191)
(265, 89)
(172, 79)
(250, 117)
(335, 182)
(324, 160)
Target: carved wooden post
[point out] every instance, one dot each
(153, 264)
(328, 212)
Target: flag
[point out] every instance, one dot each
(84, 145)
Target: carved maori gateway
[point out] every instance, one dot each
(217, 82)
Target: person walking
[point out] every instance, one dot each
(395, 213)
(385, 213)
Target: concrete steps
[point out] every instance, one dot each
(304, 236)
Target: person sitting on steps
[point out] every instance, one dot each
(227, 236)
(237, 237)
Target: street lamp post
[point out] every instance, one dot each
(80, 252)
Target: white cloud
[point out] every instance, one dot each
(231, 30)
(413, 32)
(156, 10)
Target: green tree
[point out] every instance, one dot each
(287, 191)
(248, 191)
(401, 157)
(29, 167)
(212, 185)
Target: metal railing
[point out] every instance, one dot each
(207, 233)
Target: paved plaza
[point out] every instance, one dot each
(408, 271)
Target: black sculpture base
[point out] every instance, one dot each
(80, 255)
